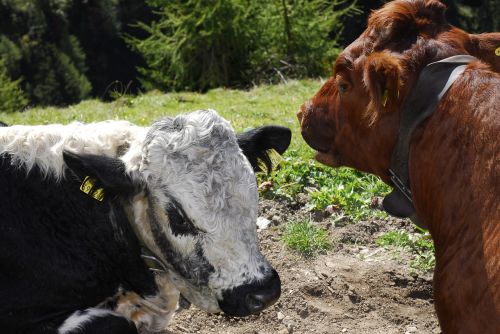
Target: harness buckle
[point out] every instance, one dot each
(398, 183)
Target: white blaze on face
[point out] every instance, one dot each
(194, 166)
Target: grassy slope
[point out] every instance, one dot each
(261, 105)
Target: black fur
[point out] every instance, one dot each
(255, 143)
(109, 172)
(59, 251)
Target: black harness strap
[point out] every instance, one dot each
(432, 84)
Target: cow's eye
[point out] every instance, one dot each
(178, 221)
(343, 87)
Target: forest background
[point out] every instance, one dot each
(59, 52)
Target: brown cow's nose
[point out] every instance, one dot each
(300, 114)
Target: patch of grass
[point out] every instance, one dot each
(420, 246)
(394, 239)
(306, 238)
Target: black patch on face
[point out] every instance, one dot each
(180, 224)
(194, 267)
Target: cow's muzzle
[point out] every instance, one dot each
(315, 127)
(251, 298)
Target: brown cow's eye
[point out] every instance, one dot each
(342, 86)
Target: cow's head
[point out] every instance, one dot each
(194, 202)
(354, 118)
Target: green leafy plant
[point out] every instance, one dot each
(306, 238)
(421, 247)
(348, 190)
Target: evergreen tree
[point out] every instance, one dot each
(11, 96)
(52, 62)
(200, 44)
(67, 49)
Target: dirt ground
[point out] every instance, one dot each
(355, 287)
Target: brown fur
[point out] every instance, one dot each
(455, 154)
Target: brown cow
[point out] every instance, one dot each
(454, 162)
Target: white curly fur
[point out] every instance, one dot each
(196, 159)
(42, 145)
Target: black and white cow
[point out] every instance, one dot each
(78, 201)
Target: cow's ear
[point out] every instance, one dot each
(381, 76)
(105, 172)
(257, 143)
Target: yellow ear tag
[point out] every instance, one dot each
(385, 97)
(497, 51)
(88, 188)
(275, 158)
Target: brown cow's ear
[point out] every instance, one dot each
(382, 78)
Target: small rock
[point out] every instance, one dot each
(411, 329)
(344, 330)
(281, 316)
(276, 219)
(262, 223)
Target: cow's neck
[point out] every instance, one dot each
(432, 84)
(455, 190)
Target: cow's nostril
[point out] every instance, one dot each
(258, 300)
(255, 303)
(252, 298)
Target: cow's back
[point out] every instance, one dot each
(60, 249)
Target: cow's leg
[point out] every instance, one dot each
(97, 321)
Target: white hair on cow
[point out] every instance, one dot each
(42, 145)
